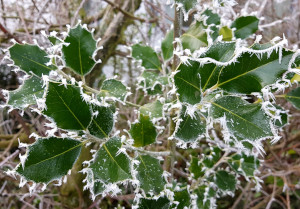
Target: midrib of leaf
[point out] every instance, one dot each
(194, 37)
(45, 66)
(57, 155)
(190, 84)
(79, 54)
(149, 60)
(69, 109)
(108, 152)
(236, 115)
(145, 167)
(245, 26)
(245, 73)
(100, 128)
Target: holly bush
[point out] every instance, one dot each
(211, 101)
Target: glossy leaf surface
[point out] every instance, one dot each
(149, 173)
(31, 58)
(66, 108)
(78, 55)
(225, 181)
(154, 109)
(26, 94)
(147, 55)
(161, 203)
(143, 132)
(113, 88)
(50, 159)
(244, 120)
(244, 164)
(294, 97)
(245, 26)
(167, 45)
(102, 123)
(109, 165)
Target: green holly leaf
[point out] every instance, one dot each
(167, 45)
(196, 167)
(195, 37)
(189, 129)
(154, 109)
(226, 33)
(31, 59)
(26, 94)
(110, 165)
(204, 196)
(244, 164)
(225, 181)
(212, 18)
(113, 88)
(78, 55)
(161, 203)
(152, 82)
(149, 173)
(183, 198)
(245, 26)
(143, 132)
(187, 4)
(244, 120)
(148, 56)
(102, 123)
(66, 108)
(294, 97)
(212, 157)
(49, 159)
(193, 79)
(250, 73)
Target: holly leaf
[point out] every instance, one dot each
(196, 167)
(110, 165)
(31, 59)
(143, 132)
(245, 26)
(183, 198)
(191, 80)
(187, 4)
(244, 120)
(251, 73)
(294, 97)
(195, 37)
(244, 164)
(154, 110)
(189, 129)
(161, 203)
(167, 45)
(102, 123)
(149, 173)
(66, 108)
(225, 181)
(212, 18)
(113, 88)
(79, 54)
(226, 33)
(49, 159)
(152, 82)
(148, 56)
(204, 196)
(26, 94)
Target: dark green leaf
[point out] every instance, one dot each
(50, 159)
(244, 164)
(143, 132)
(204, 193)
(167, 45)
(110, 165)
(113, 88)
(149, 173)
(191, 78)
(26, 94)
(190, 129)
(79, 53)
(225, 181)
(244, 120)
(212, 18)
(212, 157)
(147, 55)
(102, 123)
(196, 167)
(245, 26)
(31, 58)
(154, 109)
(153, 82)
(161, 203)
(183, 198)
(250, 73)
(294, 97)
(66, 108)
(195, 37)
(187, 4)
